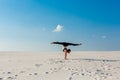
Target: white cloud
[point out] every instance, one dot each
(58, 28)
(104, 37)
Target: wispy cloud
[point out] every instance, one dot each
(43, 29)
(59, 28)
(103, 37)
(98, 36)
(93, 36)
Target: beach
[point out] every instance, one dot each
(85, 65)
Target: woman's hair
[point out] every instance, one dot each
(64, 49)
(68, 50)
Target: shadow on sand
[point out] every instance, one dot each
(104, 60)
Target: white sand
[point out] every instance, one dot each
(52, 66)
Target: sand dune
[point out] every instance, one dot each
(52, 66)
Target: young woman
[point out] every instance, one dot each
(65, 45)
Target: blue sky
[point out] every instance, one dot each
(30, 25)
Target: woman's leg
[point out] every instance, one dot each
(65, 57)
(65, 53)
